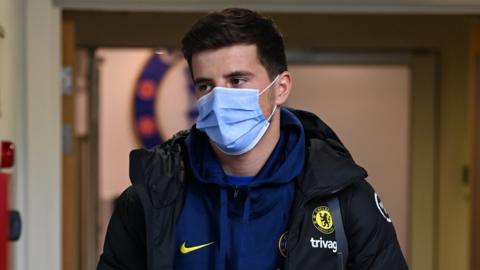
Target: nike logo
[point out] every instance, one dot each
(185, 250)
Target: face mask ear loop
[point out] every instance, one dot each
(271, 115)
(265, 89)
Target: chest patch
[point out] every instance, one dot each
(322, 220)
(282, 244)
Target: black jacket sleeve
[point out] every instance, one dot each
(371, 236)
(124, 246)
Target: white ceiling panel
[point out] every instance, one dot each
(300, 6)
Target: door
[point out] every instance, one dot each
(474, 177)
(70, 179)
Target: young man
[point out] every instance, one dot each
(252, 185)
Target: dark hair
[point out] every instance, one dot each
(237, 26)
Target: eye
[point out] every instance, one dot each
(203, 87)
(237, 81)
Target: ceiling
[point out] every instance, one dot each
(282, 6)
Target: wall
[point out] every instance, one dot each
(9, 101)
(30, 78)
(6, 76)
(118, 72)
(42, 135)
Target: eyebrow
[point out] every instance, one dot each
(202, 80)
(238, 73)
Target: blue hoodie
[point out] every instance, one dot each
(230, 225)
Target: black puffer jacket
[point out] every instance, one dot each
(141, 233)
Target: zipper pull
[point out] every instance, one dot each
(340, 261)
(235, 192)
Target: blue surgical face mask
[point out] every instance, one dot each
(233, 119)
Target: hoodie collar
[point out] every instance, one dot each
(329, 167)
(284, 164)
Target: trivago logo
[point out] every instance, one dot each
(320, 243)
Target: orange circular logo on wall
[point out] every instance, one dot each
(164, 101)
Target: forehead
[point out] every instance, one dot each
(221, 61)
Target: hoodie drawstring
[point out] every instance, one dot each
(224, 236)
(244, 231)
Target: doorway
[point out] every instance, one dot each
(419, 70)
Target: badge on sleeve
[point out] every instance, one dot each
(381, 208)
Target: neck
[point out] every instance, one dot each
(251, 162)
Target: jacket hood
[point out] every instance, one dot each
(329, 166)
(160, 171)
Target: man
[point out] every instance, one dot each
(252, 185)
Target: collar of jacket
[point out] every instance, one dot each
(329, 166)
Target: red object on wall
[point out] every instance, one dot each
(7, 155)
(4, 221)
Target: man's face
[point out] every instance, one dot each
(235, 66)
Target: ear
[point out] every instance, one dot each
(284, 85)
